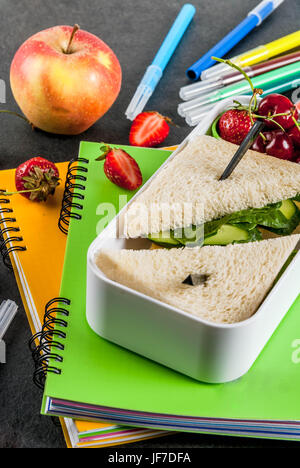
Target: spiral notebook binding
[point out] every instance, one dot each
(71, 199)
(6, 239)
(45, 346)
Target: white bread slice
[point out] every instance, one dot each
(240, 275)
(192, 177)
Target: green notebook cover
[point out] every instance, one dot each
(97, 372)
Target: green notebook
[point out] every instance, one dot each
(95, 379)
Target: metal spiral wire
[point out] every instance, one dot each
(71, 199)
(8, 243)
(45, 345)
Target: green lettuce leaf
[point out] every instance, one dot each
(268, 216)
(290, 226)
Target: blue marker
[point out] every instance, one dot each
(155, 71)
(254, 18)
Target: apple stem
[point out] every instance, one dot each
(15, 113)
(75, 29)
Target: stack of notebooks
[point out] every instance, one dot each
(88, 378)
(36, 247)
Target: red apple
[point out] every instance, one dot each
(65, 79)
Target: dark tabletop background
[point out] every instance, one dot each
(134, 29)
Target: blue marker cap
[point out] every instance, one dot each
(155, 71)
(253, 19)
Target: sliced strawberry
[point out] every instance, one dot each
(120, 168)
(149, 129)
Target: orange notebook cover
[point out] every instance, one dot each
(36, 249)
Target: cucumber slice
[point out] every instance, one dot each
(227, 234)
(288, 209)
(165, 239)
(190, 236)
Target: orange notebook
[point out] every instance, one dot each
(35, 247)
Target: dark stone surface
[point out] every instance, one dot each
(134, 30)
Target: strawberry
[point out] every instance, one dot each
(120, 168)
(234, 125)
(149, 129)
(36, 179)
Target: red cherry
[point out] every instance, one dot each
(276, 143)
(294, 134)
(259, 145)
(278, 104)
(280, 146)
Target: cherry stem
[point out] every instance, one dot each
(233, 65)
(263, 136)
(75, 29)
(296, 123)
(250, 108)
(253, 101)
(270, 116)
(276, 123)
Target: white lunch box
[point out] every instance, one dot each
(206, 351)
